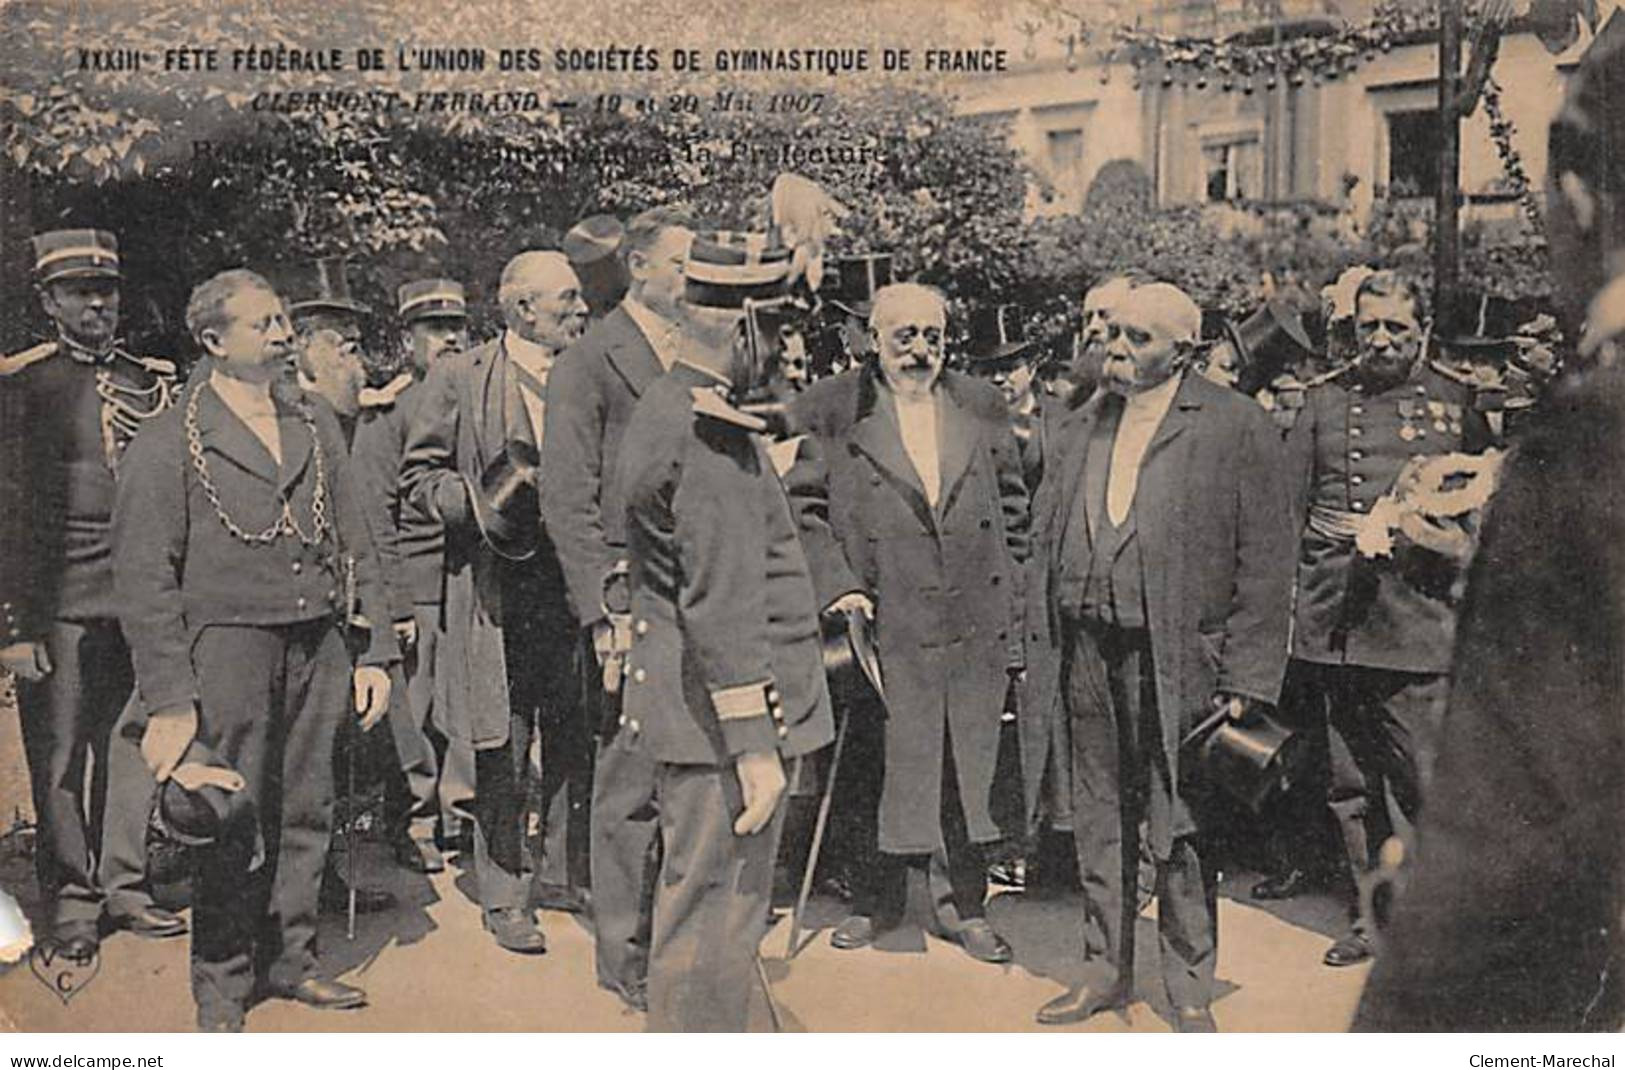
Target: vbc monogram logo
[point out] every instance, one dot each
(62, 971)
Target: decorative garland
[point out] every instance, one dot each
(1501, 131)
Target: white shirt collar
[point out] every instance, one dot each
(531, 356)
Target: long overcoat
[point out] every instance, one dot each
(945, 582)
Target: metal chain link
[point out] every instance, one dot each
(285, 524)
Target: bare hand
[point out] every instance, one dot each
(195, 775)
(853, 600)
(406, 633)
(761, 778)
(26, 661)
(1235, 707)
(371, 694)
(168, 734)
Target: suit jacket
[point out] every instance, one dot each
(726, 656)
(410, 542)
(591, 394)
(1510, 919)
(1216, 541)
(945, 581)
(1346, 447)
(459, 427)
(178, 570)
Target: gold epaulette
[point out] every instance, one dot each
(707, 402)
(388, 394)
(1326, 377)
(18, 361)
(1452, 374)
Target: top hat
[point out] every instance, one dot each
(851, 661)
(205, 816)
(997, 333)
(727, 268)
(75, 254)
(593, 247)
(431, 299)
(1479, 322)
(1268, 342)
(1251, 759)
(325, 288)
(850, 282)
(506, 505)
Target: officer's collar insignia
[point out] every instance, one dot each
(388, 394)
(711, 402)
(18, 361)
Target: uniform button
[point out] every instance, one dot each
(1358, 506)
(300, 602)
(784, 732)
(332, 595)
(1355, 432)
(639, 675)
(634, 726)
(1356, 480)
(298, 568)
(773, 694)
(622, 721)
(641, 627)
(1420, 389)
(1355, 455)
(1357, 410)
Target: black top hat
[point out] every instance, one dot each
(1268, 342)
(593, 247)
(997, 332)
(209, 814)
(506, 505)
(325, 287)
(850, 282)
(850, 659)
(1478, 321)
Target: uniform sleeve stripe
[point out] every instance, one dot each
(739, 703)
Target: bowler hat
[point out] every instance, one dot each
(324, 286)
(850, 282)
(997, 333)
(75, 254)
(506, 507)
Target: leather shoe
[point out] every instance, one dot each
(323, 993)
(1011, 874)
(563, 897)
(419, 856)
(982, 943)
(336, 898)
(1080, 1004)
(153, 922)
(1285, 885)
(229, 1021)
(514, 931)
(634, 995)
(1194, 1020)
(1352, 949)
(855, 932)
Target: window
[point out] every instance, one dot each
(1229, 169)
(1065, 149)
(1413, 153)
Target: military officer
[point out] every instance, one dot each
(238, 538)
(437, 773)
(72, 405)
(1374, 633)
(725, 679)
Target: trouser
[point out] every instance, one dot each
(1330, 785)
(625, 860)
(67, 722)
(437, 766)
(1389, 723)
(710, 904)
(1119, 781)
(542, 702)
(269, 703)
(881, 892)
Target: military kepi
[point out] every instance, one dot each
(75, 254)
(725, 268)
(428, 299)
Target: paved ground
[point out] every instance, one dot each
(428, 966)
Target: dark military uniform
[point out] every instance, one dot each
(245, 630)
(725, 660)
(68, 417)
(1374, 634)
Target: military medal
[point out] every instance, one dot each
(1407, 432)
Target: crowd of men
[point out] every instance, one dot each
(594, 568)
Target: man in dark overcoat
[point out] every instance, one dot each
(238, 541)
(510, 637)
(593, 391)
(1165, 521)
(928, 512)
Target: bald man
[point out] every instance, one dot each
(509, 636)
(1164, 520)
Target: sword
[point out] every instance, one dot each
(349, 760)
